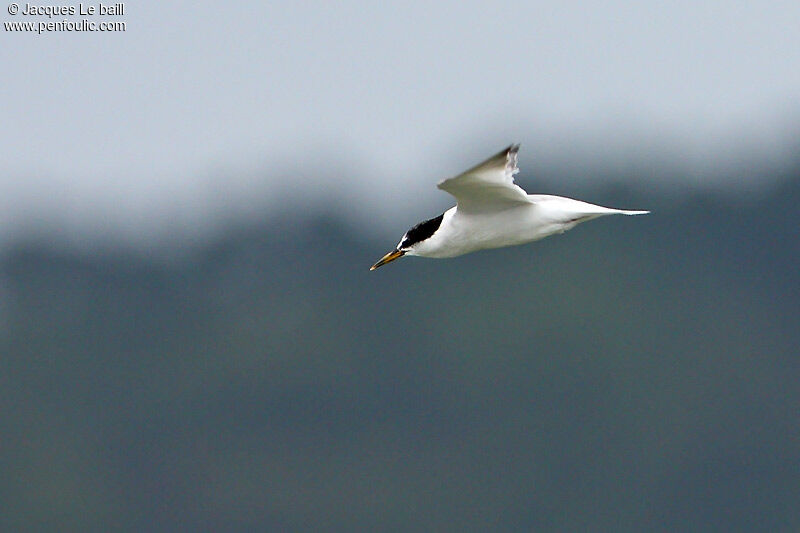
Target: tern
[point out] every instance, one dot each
(491, 211)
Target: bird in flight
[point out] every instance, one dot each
(492, 212)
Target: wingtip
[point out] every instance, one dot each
(504, 159)
(511, 159)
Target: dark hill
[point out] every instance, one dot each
(631, 375)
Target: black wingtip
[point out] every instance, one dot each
(511, 159)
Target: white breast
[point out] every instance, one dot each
(461, 233)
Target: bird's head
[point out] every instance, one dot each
(411, 240)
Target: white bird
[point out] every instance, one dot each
(493, 212)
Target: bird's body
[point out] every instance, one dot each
(493, 212)
(461, 233)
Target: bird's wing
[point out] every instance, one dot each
(488, 186)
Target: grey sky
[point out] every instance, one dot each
(202, 105)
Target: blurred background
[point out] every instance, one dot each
(190, 338)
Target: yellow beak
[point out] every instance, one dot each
(388, 258)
